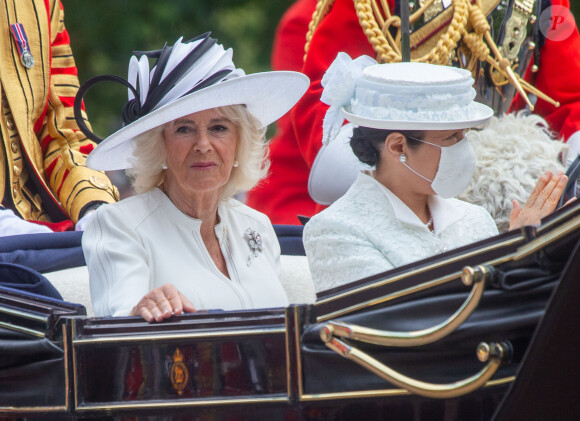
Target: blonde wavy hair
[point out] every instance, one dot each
(150, 156)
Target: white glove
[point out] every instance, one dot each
(573, 148)
(82, 223)
(10, 224)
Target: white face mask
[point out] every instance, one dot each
(456, 167)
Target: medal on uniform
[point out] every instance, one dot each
(21, 39)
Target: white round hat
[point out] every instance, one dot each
(399, 96)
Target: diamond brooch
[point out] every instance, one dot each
(255, 242)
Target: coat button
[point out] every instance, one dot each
(17, 170)
(10, 123)
(98, 182)
(14, 146)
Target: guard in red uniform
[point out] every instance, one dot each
(289, 170)
(285, 193)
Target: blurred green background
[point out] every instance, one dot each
(105, 32)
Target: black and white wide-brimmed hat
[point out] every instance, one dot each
(187, 77)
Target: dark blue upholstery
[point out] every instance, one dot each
(22, 257)
(290, 238)
(19, 277)
(43, 252)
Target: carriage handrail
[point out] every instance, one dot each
(493, 352)
(475, 277)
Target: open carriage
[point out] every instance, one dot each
(485, 328)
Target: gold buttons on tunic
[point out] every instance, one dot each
(17, 170)
(14, 146)
(98, 182)
(10, 123)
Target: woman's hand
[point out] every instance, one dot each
(162, 303)
(542, 201)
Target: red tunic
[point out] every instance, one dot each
(288, 169)
(285, 194)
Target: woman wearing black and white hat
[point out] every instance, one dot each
(194, 137)
(410, 120)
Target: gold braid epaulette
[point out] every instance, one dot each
(384, 49)
(322, 8)
(388, 52)
(387, 49)
(468, 31)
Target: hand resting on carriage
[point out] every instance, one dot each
(162, 303)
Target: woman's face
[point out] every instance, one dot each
(425, 158)
(201, 150)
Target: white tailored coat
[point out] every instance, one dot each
(370, 230)
(144, 242)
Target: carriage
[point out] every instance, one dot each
(487, 330)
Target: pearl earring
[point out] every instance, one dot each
(236, 164)
(403, 158)
(164, 167)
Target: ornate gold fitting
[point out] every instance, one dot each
(178, 373)
(516, 28)
(479, 273)
(432, 9)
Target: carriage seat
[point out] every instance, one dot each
(73, 283)
(59, 258)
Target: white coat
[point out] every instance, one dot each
(144, 242)
(370, 230)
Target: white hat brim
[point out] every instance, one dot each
(481, 113)
(335, 168)
(268, 96)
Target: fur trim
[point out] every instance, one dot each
(513, 151)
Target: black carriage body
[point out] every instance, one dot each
(273, 364)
